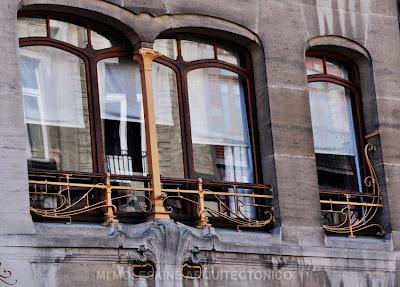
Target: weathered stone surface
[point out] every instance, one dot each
(277, 33)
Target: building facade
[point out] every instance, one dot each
(199, 143)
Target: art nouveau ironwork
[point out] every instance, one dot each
(66, 197)
(351, 213)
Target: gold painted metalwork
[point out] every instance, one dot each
(5, 277)
(70, 197)
(236, 215)
(355, 212)
(196, 269)
(145, 58)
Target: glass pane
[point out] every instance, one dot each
(31, 27)
(99, 42)
(314, 66)
(220, 136)
(192, 51)
(166, 47)
(56, 109)
(122, 116)
(337, 69)
(168, 121)
(228, 55)
(68, 33)
(335, 141)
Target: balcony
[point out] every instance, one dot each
(71, 197)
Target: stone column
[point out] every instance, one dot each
(292, 152)
(14, 198)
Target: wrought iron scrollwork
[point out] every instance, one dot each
(354, 212)
(231, 206)
(67, 196)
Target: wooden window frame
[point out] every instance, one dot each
(90, 57)
(353, 84)
(182, 68)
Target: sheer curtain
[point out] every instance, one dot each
(122, 115)
(220, 135)
(332, 122)
(55, 109)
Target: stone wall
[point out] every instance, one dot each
(277, 33)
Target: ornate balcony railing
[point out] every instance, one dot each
(354, 212)
(75, 197)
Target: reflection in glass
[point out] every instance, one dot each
(168, 122)
(56, 109)
(99, 42)
(122, 116)
(337, 69)
(228, 55)
(31, 27)
(220, 135)
(166, 47)
(68, 33)
(314, 66)
(334, 137)
(192, 51)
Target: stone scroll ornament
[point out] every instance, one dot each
(6, 277)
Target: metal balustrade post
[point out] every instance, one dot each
(109, 216)
(203, 220)
(351, 235)
(145, 58)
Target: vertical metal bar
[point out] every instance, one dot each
(68, 190)
(202, 207)
(145, 58)
(109, 216)
(349, 217)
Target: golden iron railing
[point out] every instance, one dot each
(71, 196)
(354, 212)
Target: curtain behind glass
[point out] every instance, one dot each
(122, 116)
(55, 109)
(220, 135)
(334, 134)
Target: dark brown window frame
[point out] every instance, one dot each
(90, 57)
(181, 68)
(353, 84)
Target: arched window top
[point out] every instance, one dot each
(78, 32)
(189, 49)
(333, 67)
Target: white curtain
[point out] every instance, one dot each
(332, 121)
(54, 80)
(218, 118)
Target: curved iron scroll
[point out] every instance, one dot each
(231, 206)
(355, 212)
(69, 196)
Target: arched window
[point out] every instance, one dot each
(82, 96)
(83, 103)
(213, 109)
(337, 123)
